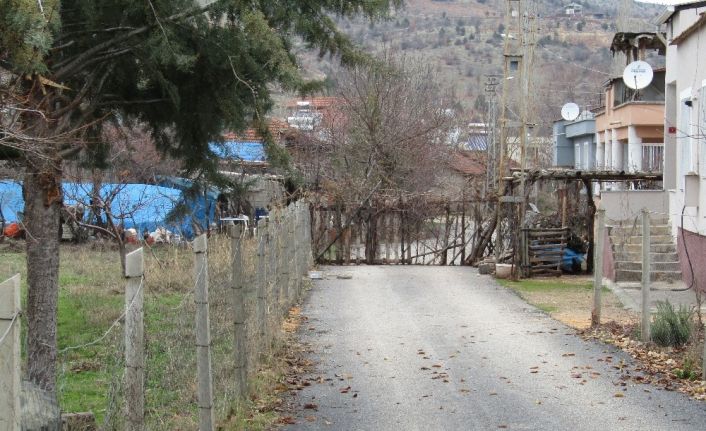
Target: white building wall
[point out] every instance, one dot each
(686, 68)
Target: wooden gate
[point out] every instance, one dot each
(441, 235)
(543, 250)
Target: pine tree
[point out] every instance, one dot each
(188, 69)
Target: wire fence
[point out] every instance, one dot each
(253, 276)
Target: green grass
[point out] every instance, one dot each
(547, 308)
(91, 298)
(543, 285)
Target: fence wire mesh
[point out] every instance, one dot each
(91, 369)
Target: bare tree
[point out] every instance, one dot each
(390, 142)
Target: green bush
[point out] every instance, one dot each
(671, 327)
(688, 370)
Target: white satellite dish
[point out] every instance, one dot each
(570, 111)
(638, 75)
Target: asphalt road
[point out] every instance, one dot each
(443, 348)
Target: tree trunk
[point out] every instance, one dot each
(43, 196)
(590, 217)
(371, 243)
(484, 239)
(447, 232)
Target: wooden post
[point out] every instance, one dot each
(203, 335)
(703, 364)
(134, 342)
(463, 229)
(10, 414)
(646, 315)
(563, 196)
(239, 317)
(598, 239)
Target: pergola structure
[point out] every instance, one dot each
(587, 178)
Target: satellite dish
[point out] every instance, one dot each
(570, 111)
(638, 75)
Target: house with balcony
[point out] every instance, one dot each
(630, 128)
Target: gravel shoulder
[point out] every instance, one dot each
(443, 348)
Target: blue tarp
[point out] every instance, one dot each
(239, 150)
(144, 206)
(11, 201)
(202, 207)
(571, 261)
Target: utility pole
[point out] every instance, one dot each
(511, 67)
(493, 150)
(528, 38)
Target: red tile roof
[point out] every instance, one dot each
(315, 102)
(469, 162)
(277, 129)
(473, 163)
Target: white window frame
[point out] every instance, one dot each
(685, 132)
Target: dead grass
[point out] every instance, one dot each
(570, 300)
(91, 299)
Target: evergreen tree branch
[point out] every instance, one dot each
(78, 63)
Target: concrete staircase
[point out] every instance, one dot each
(626, 240)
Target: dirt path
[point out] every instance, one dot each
(430, 348)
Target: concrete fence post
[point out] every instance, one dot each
(307, 238)
(289, 256)
(598, 244)
(261, 287)
(297, 253)
(271, 277)
(282, 266)
(239, 316)
(646, 315)
(203, 335)
(10, 354)
(134, 341)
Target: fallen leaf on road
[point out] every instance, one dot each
(569, 354)
(311, 406)
(311, 418)
(345, 390)
(619, 395)
(425, 368)
(286, 420)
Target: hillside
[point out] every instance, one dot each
(463, 40)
